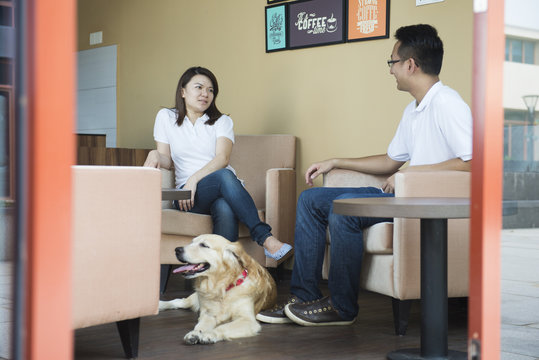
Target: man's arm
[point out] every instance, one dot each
(451, 164)
(375, 165)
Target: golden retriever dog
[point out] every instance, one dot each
(230, 289)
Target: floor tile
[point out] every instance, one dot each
(520, 340)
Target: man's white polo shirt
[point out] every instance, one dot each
(438, 129)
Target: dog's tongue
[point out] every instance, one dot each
(184, 268)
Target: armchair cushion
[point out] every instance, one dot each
(379, 238)
(190, 224)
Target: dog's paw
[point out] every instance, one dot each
(198, 337)
(209, 337)
(172, 304)
(192, 337)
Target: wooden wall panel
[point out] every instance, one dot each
(91, 150)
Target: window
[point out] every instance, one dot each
(520, 51)
(514, 134)
(6, 100)
(6, 15)
(5, 132)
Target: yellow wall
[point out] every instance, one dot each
(339, 100)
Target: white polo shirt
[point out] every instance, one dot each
(438, 129)
(191, 146)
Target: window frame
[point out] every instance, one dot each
(509, 40)
(11, 141)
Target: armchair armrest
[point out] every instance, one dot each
(167, 181)
(351, 178)
(116, 232)
(433, 183)
(406, 234)
(281, 204)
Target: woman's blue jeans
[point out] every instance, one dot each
(313, 215)
(221, 195)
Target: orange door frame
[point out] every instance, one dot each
(487, 170)
(51, 112)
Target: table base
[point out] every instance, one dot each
(415, 354)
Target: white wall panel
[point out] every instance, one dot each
(96, 92)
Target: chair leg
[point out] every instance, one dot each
(165, 274)
(129, 335)
(279, 273)
(401, 313)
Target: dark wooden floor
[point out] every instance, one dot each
(371, 337)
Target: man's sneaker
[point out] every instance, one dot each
(315, 313)
(276, 314)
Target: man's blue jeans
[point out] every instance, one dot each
(221, 195)
(313, 215)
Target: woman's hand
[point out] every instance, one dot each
(191, 184)
(153, 159)
(317, 169)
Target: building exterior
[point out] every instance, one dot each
(521, 133)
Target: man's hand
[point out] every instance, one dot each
(389, 185)
(317, 169)
(153, 159)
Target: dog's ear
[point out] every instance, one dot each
(231, 255)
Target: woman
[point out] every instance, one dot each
(196, 138)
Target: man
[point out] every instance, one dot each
(435, 133)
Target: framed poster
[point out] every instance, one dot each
(276, 28)
(275, 1)
(367, 20)
(315, 23)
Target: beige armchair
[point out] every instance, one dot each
(116, 231)
(391, 261)
(267, 164)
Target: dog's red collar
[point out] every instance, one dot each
(239, 281)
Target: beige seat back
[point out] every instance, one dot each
(116, 239)
(253, 155)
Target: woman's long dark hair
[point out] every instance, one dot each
(180, 109)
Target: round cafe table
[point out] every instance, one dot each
(433, 214)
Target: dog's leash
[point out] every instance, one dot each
(239, 281)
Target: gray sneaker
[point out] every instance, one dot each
(315, 313)
(276, 314)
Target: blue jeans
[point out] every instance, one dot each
(221, 195)
(313, 215)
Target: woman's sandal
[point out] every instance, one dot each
(285, 249)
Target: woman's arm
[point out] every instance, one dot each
(159, 158)
(223, 149)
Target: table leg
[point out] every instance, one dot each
(433, 296)
(434, 287)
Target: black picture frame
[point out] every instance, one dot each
(276, 27)
(316, 23)
(361, 23)
(275, 1)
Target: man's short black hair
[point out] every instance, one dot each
(422, 43)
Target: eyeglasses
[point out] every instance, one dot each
(391, 62)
